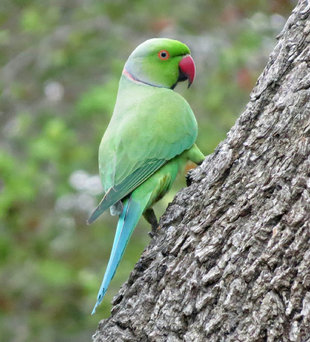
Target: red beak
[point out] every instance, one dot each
(187, 69)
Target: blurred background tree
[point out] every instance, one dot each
(60, 65)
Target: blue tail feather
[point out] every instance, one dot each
(128, 219)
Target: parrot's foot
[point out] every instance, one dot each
(154, 232)
(150, 216)
(189, 178)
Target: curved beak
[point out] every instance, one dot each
(187, 69)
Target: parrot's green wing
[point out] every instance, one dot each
(141, 138)
(122, 189)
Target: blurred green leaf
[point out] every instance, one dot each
(54, 273)
(99, 99)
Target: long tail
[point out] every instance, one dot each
(128, 220)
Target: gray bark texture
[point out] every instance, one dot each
(231, 261)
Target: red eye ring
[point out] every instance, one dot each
(163, 55)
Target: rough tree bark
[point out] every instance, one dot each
(232, 260)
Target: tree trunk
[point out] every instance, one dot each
(232, 259)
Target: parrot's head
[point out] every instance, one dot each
(161, 62)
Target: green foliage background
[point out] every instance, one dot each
(60, 64)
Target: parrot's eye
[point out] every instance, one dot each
(163, 54)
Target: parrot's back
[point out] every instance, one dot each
(149, 125)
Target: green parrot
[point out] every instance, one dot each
(150, 137)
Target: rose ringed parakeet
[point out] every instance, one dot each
(150, 137)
